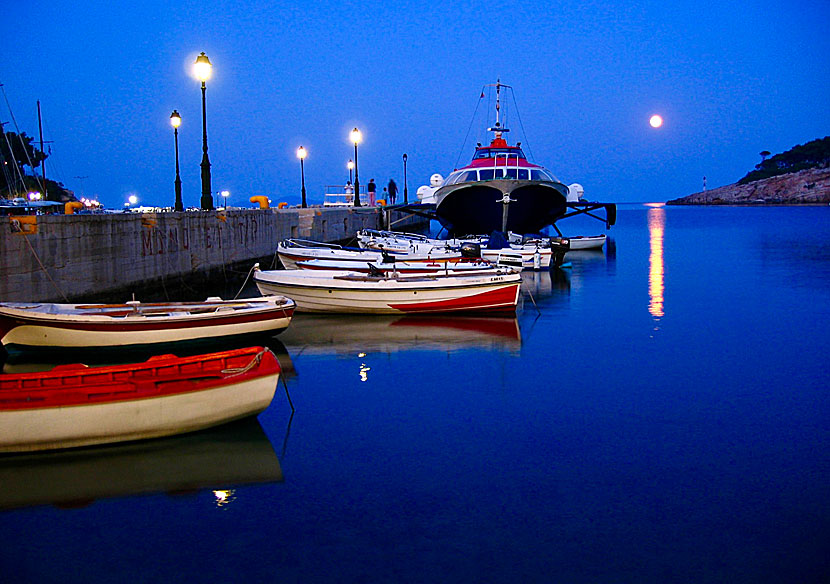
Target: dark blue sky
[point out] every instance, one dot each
(730, 79)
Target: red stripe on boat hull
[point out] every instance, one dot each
(503, 299)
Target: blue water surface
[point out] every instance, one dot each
(657, 412)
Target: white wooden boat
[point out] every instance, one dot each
(76, 405)
(581, 242)
(350, 292)
(291, 251)
(402, 267)
(49, 325)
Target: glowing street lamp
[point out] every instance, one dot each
(131, 200)
(350, 166)
(202, 68)
(301, 154)
(35, 196)
(356, 137)
(176, 121)
(225, 195)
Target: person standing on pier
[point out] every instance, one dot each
(393, 191)
(371, 188)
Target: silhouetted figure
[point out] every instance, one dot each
(393, 191)
(371, 188)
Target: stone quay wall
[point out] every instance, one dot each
(87, 257)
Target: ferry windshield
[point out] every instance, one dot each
(498, 152)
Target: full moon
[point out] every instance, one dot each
(656, 121)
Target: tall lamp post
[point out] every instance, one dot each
(202, 68)
(350, 166)
(301, 154)
(356, 137)
(176, 121)
(405, 190)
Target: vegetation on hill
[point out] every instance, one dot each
(810, 155)
(16, 154)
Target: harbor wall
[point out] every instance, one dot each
(96, 257)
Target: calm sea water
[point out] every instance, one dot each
(659, 412)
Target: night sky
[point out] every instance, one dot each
(730, 79)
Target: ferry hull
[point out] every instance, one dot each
(478, 208)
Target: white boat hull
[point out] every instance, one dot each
(151, 417)
(345, 292)
(78, 326)
(586, 242)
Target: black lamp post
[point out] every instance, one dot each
(405, 190)
(350, 166)
(203, 68)
(301, 154)
(356, 136)
(176, 121)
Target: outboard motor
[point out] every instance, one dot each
(470, 250)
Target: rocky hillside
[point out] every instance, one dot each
(811, 186)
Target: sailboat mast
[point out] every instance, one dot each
(42, 160)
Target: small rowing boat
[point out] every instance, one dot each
(291, 251)
(75, 405)
(495, 290)
(581, 242)
(48, 325)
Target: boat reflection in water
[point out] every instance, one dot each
(220, 458)
(351, 334)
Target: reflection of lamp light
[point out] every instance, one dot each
(356, 137)
(202, 69)
(223, 496)
(656, 227)
(301, 154)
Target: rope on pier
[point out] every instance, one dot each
(45, 271)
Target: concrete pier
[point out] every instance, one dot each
(93, 257)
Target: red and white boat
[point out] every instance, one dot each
(495, 290)
(291, 251)
(49, 325)
(76, 405)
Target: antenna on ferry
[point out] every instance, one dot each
(497, 128)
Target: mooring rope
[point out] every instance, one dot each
(45, 271)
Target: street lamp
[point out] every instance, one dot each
(350, 166)
(301, 154)
(176, 121)
(202, 69)
(225, 195)
(405, 190)
(356, 136)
